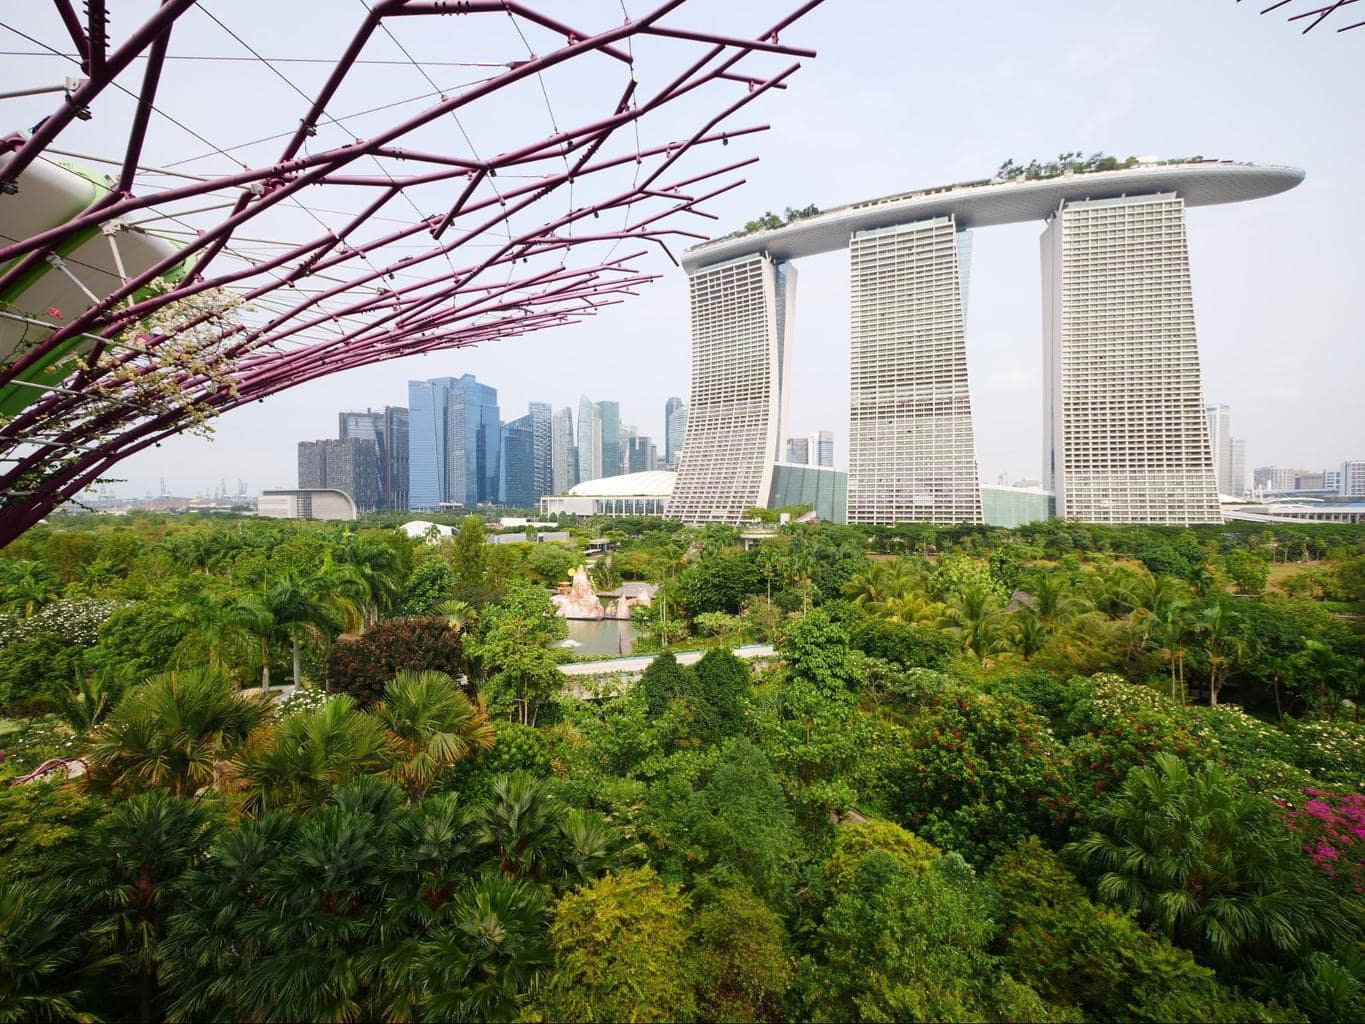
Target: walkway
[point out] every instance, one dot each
(634, 666)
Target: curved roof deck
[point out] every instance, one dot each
(986, 203)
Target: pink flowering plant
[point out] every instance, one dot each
(1331, 827)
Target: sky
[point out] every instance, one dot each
(903, 95)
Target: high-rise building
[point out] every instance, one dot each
(518, 469)
(454, 442)
(427, 404)
(344, 464)
(589, 440)
(1125, 433)
(543, 476)
(798, 451)
(1238, 480)
(395, 468)
(911, 449)
(675, 430)
(389, 432)
(627, 434)
(1275, 479)
(1220, 446)
(474, 443)
(563, 452)
(821, 447)
(1353, 478)
(609, 416)
(640, 455)
(742, 319)
(1331, 480)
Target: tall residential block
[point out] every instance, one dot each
(589, 440)
(563, 452)
(743, 312)
(911, 449)
(1125, 432)
(675, 430)
(344, 464)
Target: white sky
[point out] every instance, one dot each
(903, 95)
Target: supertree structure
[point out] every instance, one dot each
(385, 220)
(1309, 14)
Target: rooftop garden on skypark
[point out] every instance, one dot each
(1076, 163)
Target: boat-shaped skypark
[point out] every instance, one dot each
(1125, 436)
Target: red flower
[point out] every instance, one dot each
(53, 311)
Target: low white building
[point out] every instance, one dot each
(306, 503)
(630, 494)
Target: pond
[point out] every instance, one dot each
(602, 636)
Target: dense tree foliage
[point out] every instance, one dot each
(1061, 773)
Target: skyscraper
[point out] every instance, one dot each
(543, 476)
(1220, 446)
(454, 442)
(626, 436)
(518, 467)
(427, 407)
(640, 455)
(474, 443)
(1237, 479)
(1353, 478)
(1125, 432)
(675, 430)
(911, 448)
(389, 432)
(563, 452)
(1126, 438)
(742, 319)
(821, 448)
(395, 468)
(798, 451)
(589, 440)
(609, 416)
(344, 464)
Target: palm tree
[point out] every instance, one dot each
(1216, 628)
(303, 610)
(483, 964)
(520, 823)
(1053, 601)
(379, 569)
(1027, 634)
(432, 725)
(881, 583)
(28, 586)
(914, 608)
(592, 845)
(298, 761)
(88, 701)
(40, 960)
(974, 616)
(142, 851)
(208, 630)
(1208, 864)
(1175, 632)
(173, 732)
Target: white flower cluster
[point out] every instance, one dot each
(300, 701)
(73, 620)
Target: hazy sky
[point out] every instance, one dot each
(915, 93)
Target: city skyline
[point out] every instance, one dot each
(1290, 312)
